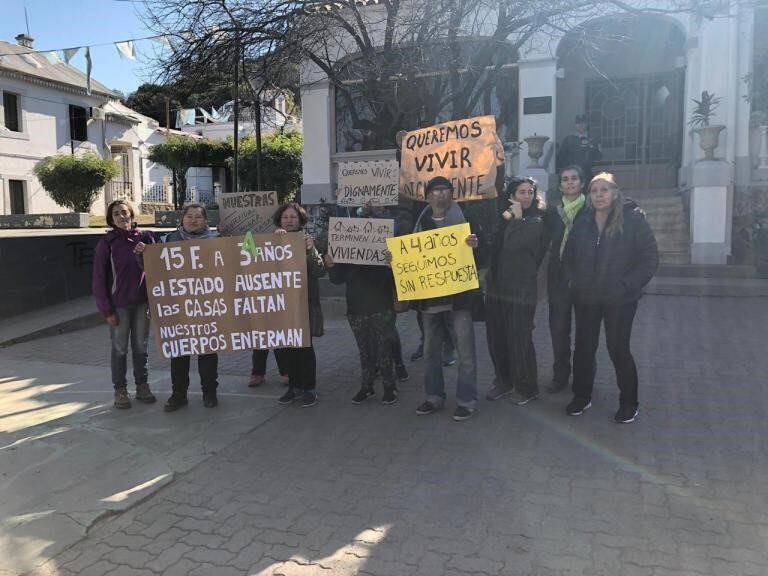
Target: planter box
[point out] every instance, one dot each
(172, 218)
(65, 220)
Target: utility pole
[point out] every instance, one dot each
(259, 179)
(236, 110)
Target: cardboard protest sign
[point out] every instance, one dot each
(466, 152)
(241, 212)
(375, 181)
(433, 263)
(359, 240)
(229, 294)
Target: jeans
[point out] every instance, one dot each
(462, 332)
(618, 321)
(133, 325)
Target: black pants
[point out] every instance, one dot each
(397, 346)
(373, 334)
(207, 368)
(259, 362)
(302, 367)
(509, 326)
(560, 321)
(618, 321)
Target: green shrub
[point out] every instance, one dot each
(74, 181)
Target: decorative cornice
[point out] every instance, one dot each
(62, 86)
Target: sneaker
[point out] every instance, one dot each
(496, 393)
(290, 397)
(143, 394)
(449, 362)
(363, 395)
(625, 414)
(577, 406)
(419, 354)
(463, 413)
(401, 373)
(557, 386)
(309, 398)
(390, 397)
(122, 400)
(210, 400)
(523, 399)
(256, 380)
(426, 408)
(174, 403)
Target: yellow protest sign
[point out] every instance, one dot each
(467, 152)
(433, 263)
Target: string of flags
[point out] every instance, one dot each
(126, 49)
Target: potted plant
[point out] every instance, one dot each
(702, 114)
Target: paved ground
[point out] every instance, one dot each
(341, 489)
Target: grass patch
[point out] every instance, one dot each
(98, 221)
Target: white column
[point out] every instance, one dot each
(317, 116)
(711, 212)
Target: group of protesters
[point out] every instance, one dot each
(601, 254)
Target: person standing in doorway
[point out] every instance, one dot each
(579, 149)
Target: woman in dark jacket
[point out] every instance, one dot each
(609, 256)
(121, 297)
(301, 362)
(518, 249)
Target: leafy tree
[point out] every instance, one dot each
(150, 100)
(180, 153)
(74, 181)
(280, 163)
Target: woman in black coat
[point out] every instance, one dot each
(609, 257)
(518, 249)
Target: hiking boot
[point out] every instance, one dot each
(577, 406)
(122, 400)
(419, 354)
(363, 395)
(309, 398)
(497, 393)
(143, 394)
(426, 408)
(390, 397)
(210, 400)
(256, 380)
(290, 397)
(625, 414)
(175, 402)
(401, 374)
(523, 399)
(463, 413)
(557, 386)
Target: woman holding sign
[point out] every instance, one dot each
(121, 297)
(194, 227)
(301, 362)
(518, 249)
(610, 255)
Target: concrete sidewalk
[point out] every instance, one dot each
(249, 488)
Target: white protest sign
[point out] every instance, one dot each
(359, 240)
(241, 212)
(373, 182)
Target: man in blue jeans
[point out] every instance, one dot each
(451, 312)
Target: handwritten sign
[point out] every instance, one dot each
(229, 294)
(372, 182)
(242, 212)
(433, 263)
(466, 152)
(359, 240)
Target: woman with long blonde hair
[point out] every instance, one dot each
(610, 255)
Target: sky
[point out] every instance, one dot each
(56, 24)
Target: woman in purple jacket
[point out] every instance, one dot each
(121, 296)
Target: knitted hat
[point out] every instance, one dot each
(439, 181)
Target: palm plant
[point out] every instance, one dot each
(704, 110)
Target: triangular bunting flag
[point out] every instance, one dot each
(88, 70)
(162, 39)
(127, 49)
(52, 56)
(69, 53)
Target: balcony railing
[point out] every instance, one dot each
(119, 191)
(156, 194)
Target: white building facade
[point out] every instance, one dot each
(636, 86)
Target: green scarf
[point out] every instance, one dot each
(568, 213)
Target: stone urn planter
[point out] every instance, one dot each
(535, 149)
(709, 137)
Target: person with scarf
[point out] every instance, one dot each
(610, 255)
(518, 248)
(559, 220)
(194, 227)
(121, 297)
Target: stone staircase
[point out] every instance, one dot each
(669, 222)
